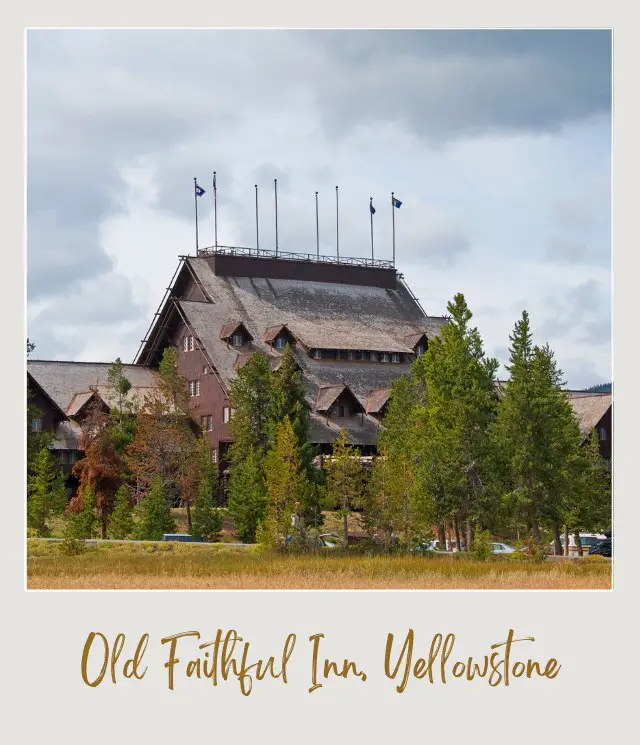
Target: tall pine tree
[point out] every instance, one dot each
(456, 404)
(286, 484)
(46, 493)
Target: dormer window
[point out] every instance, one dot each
(419, 349)
(280, 342)
(237, 340)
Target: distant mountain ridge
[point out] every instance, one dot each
(602, 388)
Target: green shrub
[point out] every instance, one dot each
(482, 549)
(72, 546)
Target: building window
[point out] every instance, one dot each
(384, 357)
(36, 425)
(214, 455)
(226, 415)
(185, 344)
(395, 357)
(197, 387)
(373, 356)
(191, 345)
(351, 355)
(317, 354)
(194, 387)
(602, 434)
(280, 342)
(365, 355)
(419, 349)
(206, 423)
(74, 455)
(237, 340)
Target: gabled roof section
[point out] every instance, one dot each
(377, 400)
(412, 340)
(45, 394)
(78, 402)
(590, 409)
(63, 380)
(272, 332)
(229, 329)
(328, 395)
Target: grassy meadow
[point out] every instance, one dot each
(168, 566)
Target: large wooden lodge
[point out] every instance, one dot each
(353, 324)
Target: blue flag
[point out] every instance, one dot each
(397, 203)
(199, 190)
(372, 208)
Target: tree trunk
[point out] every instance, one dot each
(469, 535)
(576, 535)
(533, 522)
(456, 530)
(557, 545)
(345, 527)
(566, 540)
(189, 524)
(442, 537)
(103, 524)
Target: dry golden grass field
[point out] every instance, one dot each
(169, 566)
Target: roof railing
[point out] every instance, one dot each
(261, 253)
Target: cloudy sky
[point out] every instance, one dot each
(497, 142)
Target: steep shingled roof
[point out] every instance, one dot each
(63, 380)
(320, 315)
(377, 400)
(589, 409)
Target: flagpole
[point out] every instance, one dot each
(275, 187)
(317, 229)
(337, 223)
(257, 233)
(195, 197)
(371, 216)
(393, 222)
(215, 210)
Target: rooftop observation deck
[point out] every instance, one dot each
(234, 261)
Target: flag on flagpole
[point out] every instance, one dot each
(396, 203)
(199, 190)
(372, 208)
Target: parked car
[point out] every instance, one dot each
(502, 548)
(604, 548)
(588, 541)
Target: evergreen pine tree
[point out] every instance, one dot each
(247, 495)
(120, 525)
(535, 437)
(288, 400)
(589, 508)
(345, 480)
(286, 485)
(84, 523)
(154, 514)
(456, 403)
(207, 518)
(46, 492)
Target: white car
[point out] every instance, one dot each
(502, 548)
